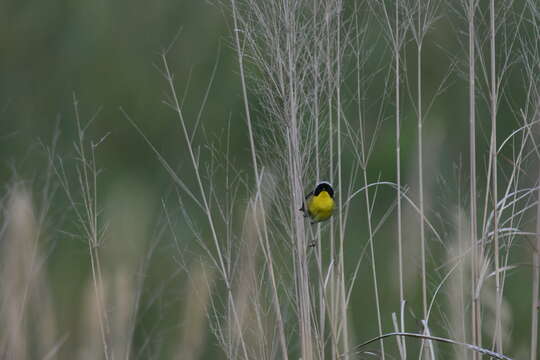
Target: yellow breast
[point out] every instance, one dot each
(320, 207)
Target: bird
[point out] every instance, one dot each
(319, 203)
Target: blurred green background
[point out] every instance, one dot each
(107, 54)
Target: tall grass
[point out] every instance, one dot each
(328, 89)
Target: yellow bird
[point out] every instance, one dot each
(319, 203)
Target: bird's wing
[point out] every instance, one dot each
(303, 204)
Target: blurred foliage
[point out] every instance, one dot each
(106, 53)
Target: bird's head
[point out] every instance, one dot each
(324, 186)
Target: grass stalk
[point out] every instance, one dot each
(494, 171)
(397, 50)
(420, 162)
(535, 307)
(471, 347)
(330, 90)
(341, 230)
(316, 114)
(373, 264)
(364, 154)
(395, 34)
(475, 312)
(259, 203)
(296, 188)
(206, 207)
(87, 178)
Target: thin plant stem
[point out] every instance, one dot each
(295, 171)
(343, 304)
(472, 347)
(259, 203)
(322, 298)
(493, 155)
(395, 34)
(536, 284)
(87, 175)
(475, 313)
(397, 49)
(333, 283)
(206, 207)
(419, 44)
(373, 267)
(364, 159)
(244, 90)
(420, 165)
